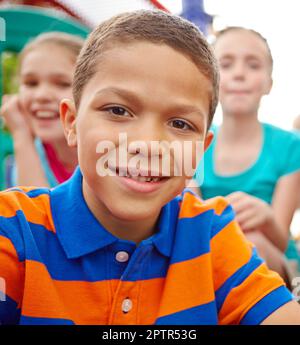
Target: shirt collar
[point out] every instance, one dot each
(163, 239)
(77, 229)
(80, 233)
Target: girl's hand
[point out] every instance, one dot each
(252, 214)
(15, 116)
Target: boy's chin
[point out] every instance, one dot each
(139, 210)
(142, 208)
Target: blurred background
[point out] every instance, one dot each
(278, 21)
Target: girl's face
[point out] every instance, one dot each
(45, 78)
(245, 69)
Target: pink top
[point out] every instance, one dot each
(58, 169)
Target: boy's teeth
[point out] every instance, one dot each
(144, 179)
(139, 178)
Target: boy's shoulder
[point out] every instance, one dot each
(21, 195)
(191, 205)
(33, 203)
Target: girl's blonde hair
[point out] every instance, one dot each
(72, 43)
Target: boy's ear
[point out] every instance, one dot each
(68, 119)
(208, 139)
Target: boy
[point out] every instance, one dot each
(116, 244)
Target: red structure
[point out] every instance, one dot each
(70, 8)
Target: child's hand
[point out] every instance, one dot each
(252, 214)
(14, 116)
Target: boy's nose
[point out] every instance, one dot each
(152, 134)
(149, 130)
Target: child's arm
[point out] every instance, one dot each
(29, 168)
(254, 214)
(288, 314)
(286, 199)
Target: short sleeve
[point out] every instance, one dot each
(11, 282)
(290, 157)
(246, 291)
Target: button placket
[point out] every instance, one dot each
(127, 292)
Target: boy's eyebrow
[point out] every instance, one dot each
(128, 95)
(131, 97)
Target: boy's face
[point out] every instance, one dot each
(245, 71)
(149, 93)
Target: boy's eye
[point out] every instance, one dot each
(119, 111)
(180, 124)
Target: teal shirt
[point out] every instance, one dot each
(6, 148)
(278, 157)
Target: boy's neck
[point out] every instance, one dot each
(136, 231)
(240, 128)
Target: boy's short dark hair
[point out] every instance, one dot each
(153, 26)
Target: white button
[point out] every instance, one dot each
(126, 305)
(122, 256)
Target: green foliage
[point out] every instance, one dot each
(9, 70)
(9, 76)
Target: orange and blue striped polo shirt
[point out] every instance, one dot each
(59, 265)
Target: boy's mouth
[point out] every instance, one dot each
(146, 179)
(139, 183)
(142, 176)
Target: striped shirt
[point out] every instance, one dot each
(59, 265)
